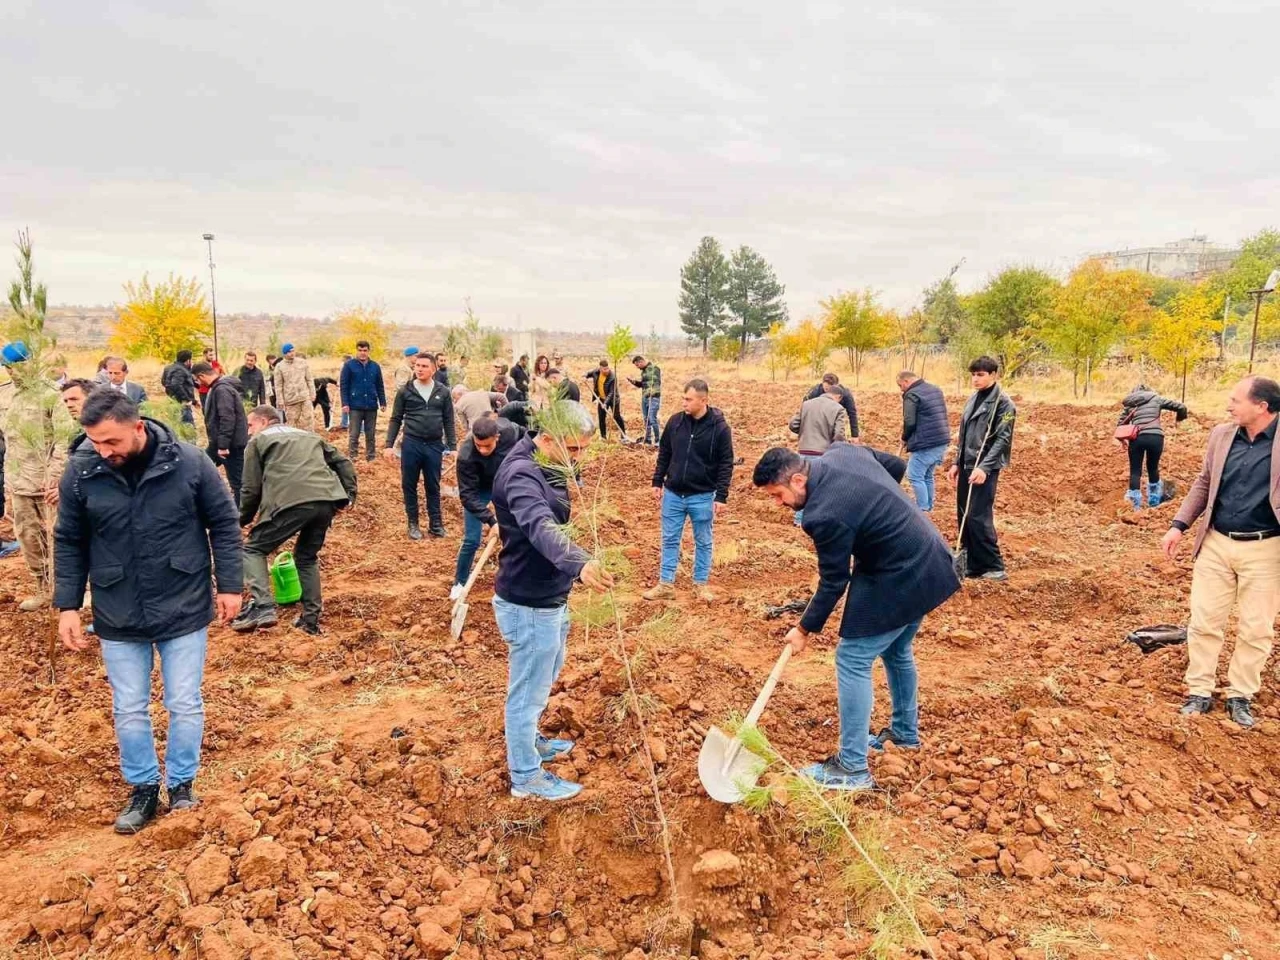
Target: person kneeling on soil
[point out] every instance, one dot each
(479, 458)
(295, 482)
(139, 514)
(536, 569)
(902, 570)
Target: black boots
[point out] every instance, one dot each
(414, 532)
(1196, 704)
(140, 810)
(254, 616)
(182, 796)
(1238, 710)
(436, 529)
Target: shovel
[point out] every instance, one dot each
(724, 767)
(460, 606)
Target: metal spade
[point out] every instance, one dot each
(460, 606)
(725, 767)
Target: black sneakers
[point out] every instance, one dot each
(414, 532)
(182, 796)
(1238, 710)
(254, 616)
(141, 808)
(436, 530)
(306, 626)
(1196, 704)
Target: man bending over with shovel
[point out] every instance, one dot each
(537, 567)
(854, 511)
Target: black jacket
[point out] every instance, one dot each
(610, 387)
(429, 422)
(520, 377)
(1142, 407)
(146, 550)
(322, 390)
(516, 395)
(569, 391)
(254, 385)
(696, 456)
(178, 382)
(924, 417)
(538, 563)
(476, 472)
(225, 421)
(846, 401)
(901, 567)
(986, 430)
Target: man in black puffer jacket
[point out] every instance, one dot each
(139, 514)
(479, 458)
(180, 385)
(225, 423)
(691, 479)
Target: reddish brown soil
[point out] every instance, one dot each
(355, 801)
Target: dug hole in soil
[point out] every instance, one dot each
(355, 800)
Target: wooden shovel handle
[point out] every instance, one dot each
(757, 708)
(475, 570)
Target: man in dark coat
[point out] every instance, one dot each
(846, 400)
(140, 514)
(926, 434)
(982, 451)
(566, 389)
(225, 423)
(479, 458)
(252, 382)
(603, 385)
(901, 570)
(180, 385)
(363, 395)
(426, 410)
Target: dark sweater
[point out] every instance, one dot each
(254, 385)
(924, 417)
(476, 471)
(225, 422)
(538, 563)
(696, 456)
(429, 422)
(902, 568)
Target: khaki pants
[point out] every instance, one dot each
(300, 415)
(1228, 572)
(30, 516)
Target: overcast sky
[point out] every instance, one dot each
(558, 162)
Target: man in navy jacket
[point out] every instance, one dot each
(926, 434)
(363, 395)
(537, 568)
(902, 569)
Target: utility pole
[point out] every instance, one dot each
(213, 295)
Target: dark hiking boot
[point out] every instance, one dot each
(1238, 711)
(182, 796)
(307, 626)
(999, 576)
(140, 810)
(414, 532)
(1196, 704)
(254, 616)
(436, 530)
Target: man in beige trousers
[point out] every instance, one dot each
(1236, 549)
(294, 389)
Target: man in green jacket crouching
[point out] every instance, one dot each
(295, 482)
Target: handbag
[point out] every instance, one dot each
(1127, 430)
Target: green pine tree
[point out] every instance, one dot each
(754, 297)
(704, 283)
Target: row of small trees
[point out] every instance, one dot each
(1025, 316)
(731, 299)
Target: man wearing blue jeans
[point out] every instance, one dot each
(650, 384)
(139, 515)
(691, 480)
(479, 458)
(901, 570)
(926, 434)
(537, 568)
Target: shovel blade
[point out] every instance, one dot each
(459, 618)
(727, 784)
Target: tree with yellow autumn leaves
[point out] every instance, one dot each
(158, 320)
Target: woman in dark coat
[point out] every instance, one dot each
(1142, 409)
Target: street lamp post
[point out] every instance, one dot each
(1257, 295)
(213, 294)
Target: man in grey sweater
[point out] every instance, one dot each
(821, 422)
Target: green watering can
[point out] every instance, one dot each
(284, 579)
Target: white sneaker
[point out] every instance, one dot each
(456, 591)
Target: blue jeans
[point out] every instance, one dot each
(854, 657)
(129, 673)
(649, 409)
(536, 640)
(920, 467)
(700, 509)
(420, 457)
(472, 532)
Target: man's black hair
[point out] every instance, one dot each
(778, 465)
(362, 344)
(202, 367)
(553, 371)
(183, 356)
(698, 384)
(88, 386)
(111, 405)
(984, 364)
(486, 428)
(1265, 390)
(638, 358)
(830, 378)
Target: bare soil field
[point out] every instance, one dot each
(355, 799)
